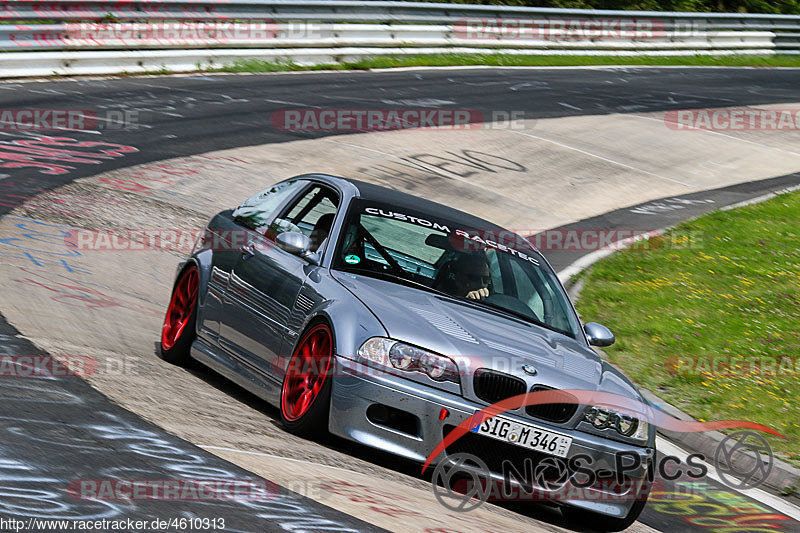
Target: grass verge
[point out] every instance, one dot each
(733, 294)
(508, 60)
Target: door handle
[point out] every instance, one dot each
(248, 251)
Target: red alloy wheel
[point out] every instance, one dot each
(180, 308)
(307, 372)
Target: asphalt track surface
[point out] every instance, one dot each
(63, 429)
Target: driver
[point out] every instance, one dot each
(471, 276)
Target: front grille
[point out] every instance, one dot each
(494, 452)
(492, 387)
(553, 412)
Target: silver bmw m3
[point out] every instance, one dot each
(391, 320)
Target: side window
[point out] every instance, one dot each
(311, 215)
(256, 211)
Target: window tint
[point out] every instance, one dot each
(420, 250)
(526, 291)
(311, 215)
(405, 243)
(257, 210)
(532, 288)
(496, 277)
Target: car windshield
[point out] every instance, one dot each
(488, 267)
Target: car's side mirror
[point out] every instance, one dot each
(295, 243)
(598, 334)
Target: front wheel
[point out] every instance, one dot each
(178, 331)
(306, 391)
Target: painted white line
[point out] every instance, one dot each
(711, 132)
(604, 158)
(563, 67)
(298, 104)
(212, 76)
(760, 199)
(28, 130)
(419, 102)
(112, 121)
(433, 170)
(388, 154)
(700, 96)
(519, 86)
(761, 496)
(662, 445)
(589, 259)
(261, 454)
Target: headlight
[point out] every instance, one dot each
(390, 353)
(625, 425)
(599, 417)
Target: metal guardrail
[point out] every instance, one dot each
(344, 11)
(158, 35)
(286, 29)
(356, 12)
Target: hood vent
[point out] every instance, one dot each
(445, 324)
(513, 351)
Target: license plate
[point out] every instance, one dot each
(525, 435)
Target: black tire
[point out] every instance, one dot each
(179, 353)
(312, 421)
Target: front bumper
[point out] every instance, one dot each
(358, 389)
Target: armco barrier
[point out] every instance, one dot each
(99, 37)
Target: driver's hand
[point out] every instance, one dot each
(478, 294)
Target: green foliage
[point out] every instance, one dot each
(507, 60)
(729, 288)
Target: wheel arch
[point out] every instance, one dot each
(203, 265)
(350, 322)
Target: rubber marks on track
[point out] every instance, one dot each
(50, 155)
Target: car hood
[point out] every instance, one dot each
(488, 338)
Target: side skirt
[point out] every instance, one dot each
(224, 364)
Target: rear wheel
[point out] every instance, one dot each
(306, 391)
(178, 331)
